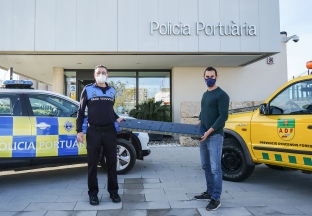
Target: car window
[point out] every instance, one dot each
(296, 99)
(49, 105)
(10, 105)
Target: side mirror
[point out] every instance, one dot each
(263, 109)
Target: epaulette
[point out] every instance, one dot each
(90, 84)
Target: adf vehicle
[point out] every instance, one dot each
(38, 128)
(278, 133)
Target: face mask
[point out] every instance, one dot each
(210, 82)
(100, 78)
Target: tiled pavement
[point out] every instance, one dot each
(163, 184)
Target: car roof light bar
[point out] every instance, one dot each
(17, 84)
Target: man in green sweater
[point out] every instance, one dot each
(214, 113)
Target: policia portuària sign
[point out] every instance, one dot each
(286, 129)
(230, 29)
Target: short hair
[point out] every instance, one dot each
(100, 66)
(211, 69)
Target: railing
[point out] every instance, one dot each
(302, 74)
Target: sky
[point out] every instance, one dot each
(295, 19)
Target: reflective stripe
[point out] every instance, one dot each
(288, 158)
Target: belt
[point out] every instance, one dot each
(102, 128)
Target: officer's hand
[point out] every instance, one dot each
(80, 137)
(120, 120)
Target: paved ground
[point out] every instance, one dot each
(163, 184)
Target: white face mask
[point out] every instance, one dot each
(100, 78)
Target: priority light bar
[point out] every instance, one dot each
(17, 84)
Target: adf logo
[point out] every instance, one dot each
(286, 129)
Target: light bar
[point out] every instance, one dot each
(17, 82)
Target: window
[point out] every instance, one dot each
(5, 104)
(154, 86)
(70, 79)
(133, 87)
(296, 99)
(125, 85)
(10, 105)
(48, 105)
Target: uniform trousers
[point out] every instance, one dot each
(98, 137)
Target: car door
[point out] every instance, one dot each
(283, 135)
(17, 145)
(54, 126)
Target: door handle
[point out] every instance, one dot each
(309, 126)
(42, 125)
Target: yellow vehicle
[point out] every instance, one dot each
(277, 133)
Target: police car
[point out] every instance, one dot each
(38, 128)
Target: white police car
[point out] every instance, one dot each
(38, 128)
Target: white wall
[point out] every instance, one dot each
(255, 82)
(125, 26)
(17, 31)
(76, 25)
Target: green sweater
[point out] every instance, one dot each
(214, 110)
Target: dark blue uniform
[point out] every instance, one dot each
(101, 132)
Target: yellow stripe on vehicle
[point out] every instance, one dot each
(21, 126)
(6, 146)
(46, 145)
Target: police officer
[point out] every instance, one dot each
(99, 97)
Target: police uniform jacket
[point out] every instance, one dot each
(100, 102)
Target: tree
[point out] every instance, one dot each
(151, 111)
(123, 94)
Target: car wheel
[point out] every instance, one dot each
(126, 157)
(234, 164)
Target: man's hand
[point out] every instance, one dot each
(80, 136)
(120, 120)
(206, 134)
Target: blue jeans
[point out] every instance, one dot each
(210, 155)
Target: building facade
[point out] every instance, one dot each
(148, 46)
